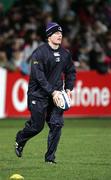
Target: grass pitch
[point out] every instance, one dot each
(84, 152)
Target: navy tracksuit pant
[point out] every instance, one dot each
(43, 110)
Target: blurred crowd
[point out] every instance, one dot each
(86, 28)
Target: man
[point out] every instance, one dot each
(48, 64)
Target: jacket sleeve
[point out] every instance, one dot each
(70, 73)
(37, 73)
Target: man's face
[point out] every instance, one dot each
(56, 38)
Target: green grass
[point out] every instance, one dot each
(84, 152)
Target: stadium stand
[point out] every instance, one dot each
(86, 25)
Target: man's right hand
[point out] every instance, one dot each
(56, 97)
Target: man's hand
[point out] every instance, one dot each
(56, 95)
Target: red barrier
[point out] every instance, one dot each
(16, 97)
(90, 97)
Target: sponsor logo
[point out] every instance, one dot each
(20, 89)
(56, 54)
(90, 96)
(59, 28)
(36, 62)
(57, 59)
(33, 102)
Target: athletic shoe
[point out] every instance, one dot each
(18, 149)
(50, 161)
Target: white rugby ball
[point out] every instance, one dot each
(66, 101)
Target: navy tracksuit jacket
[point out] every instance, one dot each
(47, 69)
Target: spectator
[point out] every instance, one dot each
(86, 25)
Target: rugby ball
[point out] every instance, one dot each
(65, 101)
